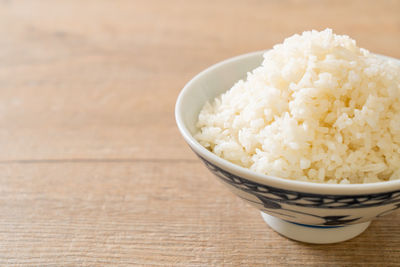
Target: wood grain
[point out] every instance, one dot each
(93, 169)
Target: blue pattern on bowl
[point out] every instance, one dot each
(277, 201)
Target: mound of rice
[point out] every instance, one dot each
(318, 109)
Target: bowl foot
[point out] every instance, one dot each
(314, 234)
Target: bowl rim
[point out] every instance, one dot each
(302, 186)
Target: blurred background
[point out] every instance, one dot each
(93, 170)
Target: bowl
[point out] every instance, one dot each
(303, 211)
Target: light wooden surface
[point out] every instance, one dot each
(93, 171)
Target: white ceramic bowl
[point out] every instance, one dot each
(303, 211)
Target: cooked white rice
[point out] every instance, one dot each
(318, 109)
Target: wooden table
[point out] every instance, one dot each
(93, 169)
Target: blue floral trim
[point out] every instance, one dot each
(316, 226)
(272, 196)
